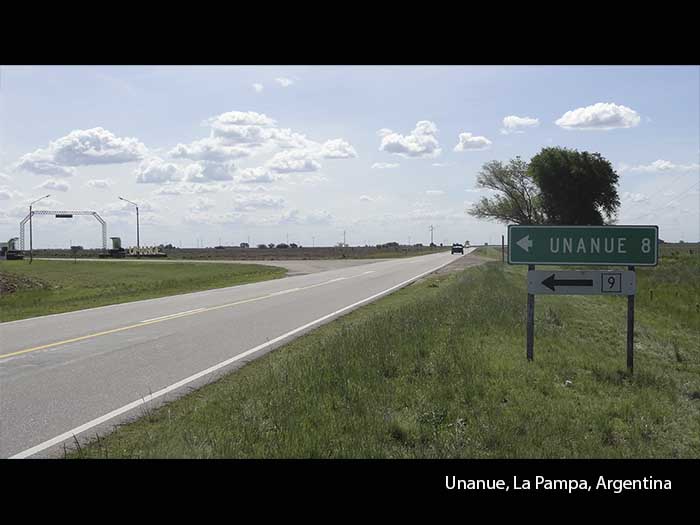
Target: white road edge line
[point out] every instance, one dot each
(134, 404)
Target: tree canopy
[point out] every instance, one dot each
(519, 200)
(577, 188)
(557, 186)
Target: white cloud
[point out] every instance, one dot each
(602, 116)
(54, 185)
(9, 194)
(100, 183)
(318, 217)
(442, 164)
(435, 192)
(515, 124)
(337, 149)
(40, 163)
(81, 147)
(314, 179)
(660, 166)
(204, 172)
(469, 142)
(384, 166)
(254, 202)
(209, 149)
(242, 118)
(284, 82)
(188, 188)
(421, 142)
(5, 177)
(295, 161)
(366, 198)
(155, 170)
(257, 175)
(258, 87)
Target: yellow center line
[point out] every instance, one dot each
(162, 319)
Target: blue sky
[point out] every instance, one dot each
(297, 156)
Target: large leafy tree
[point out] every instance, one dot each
(518, 199)
(578, 188)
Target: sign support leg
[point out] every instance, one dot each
(630, 330)
(530, 321)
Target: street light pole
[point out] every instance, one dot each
(31, 213)
(138, 243)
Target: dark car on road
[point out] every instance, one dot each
(457, 248)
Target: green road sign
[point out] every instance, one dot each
(583, 245)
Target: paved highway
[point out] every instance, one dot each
(81, 373)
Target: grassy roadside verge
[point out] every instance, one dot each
(48, 287)
(438, 369)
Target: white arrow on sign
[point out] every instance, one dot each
(525, 243)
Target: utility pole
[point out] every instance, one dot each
(344, 243)
(313, 242)
(138, 241)
(431, 235)
(31, 247)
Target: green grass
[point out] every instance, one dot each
(63, 286)
(438, 370)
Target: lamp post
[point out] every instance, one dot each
(138, 244)
(31, 254)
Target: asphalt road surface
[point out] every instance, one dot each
(70, 376)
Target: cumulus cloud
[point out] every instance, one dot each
(100, 183)
(660, 166)
(81, 147)
(257, 175)
(54, 185)
(258, 87)
(212, 148)
(603, 116)
(421, 142)
(242, 127)
(337, 149)
(40, 163)
(384, 166)
(515, 124)
(204, 172)
(284, 82)
(155, 170)
(294, 161)
(469, 142)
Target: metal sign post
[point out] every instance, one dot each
(582, 245)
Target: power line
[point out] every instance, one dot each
(667, 204)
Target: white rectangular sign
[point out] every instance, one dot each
(601, 282)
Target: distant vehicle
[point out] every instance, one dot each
(457, 248)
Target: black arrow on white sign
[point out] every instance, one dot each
(550, 282)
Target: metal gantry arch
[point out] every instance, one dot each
(59, 213)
